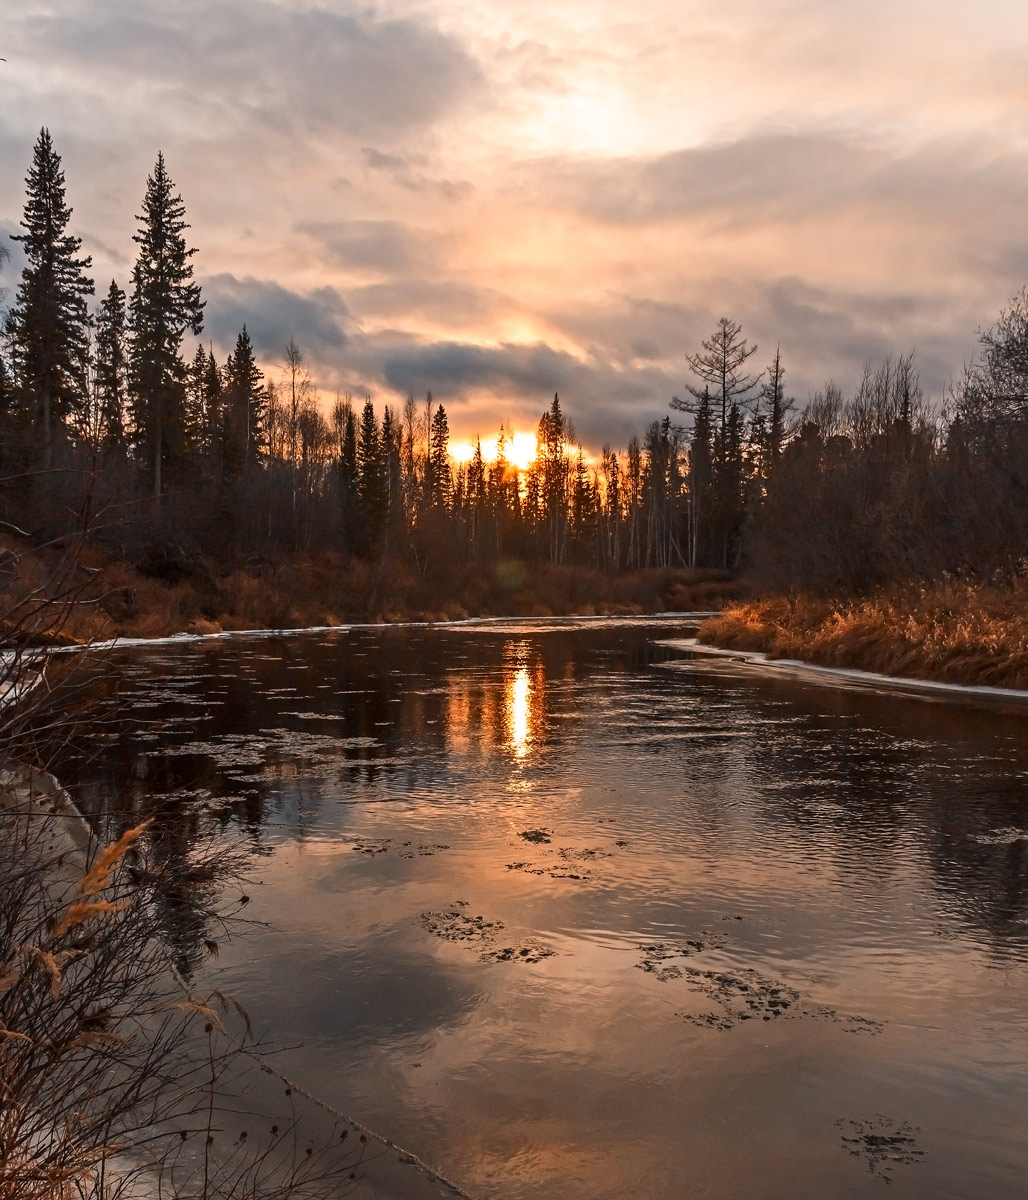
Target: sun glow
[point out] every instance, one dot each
(519, 450)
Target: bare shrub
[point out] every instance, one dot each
(112, 1074)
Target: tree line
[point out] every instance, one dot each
(106, 417)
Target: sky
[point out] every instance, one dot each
(497, 203)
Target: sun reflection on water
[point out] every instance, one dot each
(519, 696)
(519, 701)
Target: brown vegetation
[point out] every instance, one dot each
(112, 1073)
(952, 632)
(170, 592)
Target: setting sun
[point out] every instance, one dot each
(521, 450)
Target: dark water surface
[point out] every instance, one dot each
(572, 914)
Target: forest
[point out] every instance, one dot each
(119, 423)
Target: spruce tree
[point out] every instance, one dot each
(110, 371)
(195, 421)
(244, 408)
(391, 438)
(701, 477)
(165, 303)
(49, 324)
(439, 458)
(345, 424)
(371, 482)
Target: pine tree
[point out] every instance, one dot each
(729, 493)
(476, 501)
(165, 303)
(439, 457)
(195, 420)
(345, 424)
(773, 394)
(553, 435)
(371, 482)
(110, 368)
(244, 408)
(701, 476)
(391, 446)
(49, 324)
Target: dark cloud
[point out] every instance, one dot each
(319, 320)
(601, 397)
(304, 69)
(832, 333)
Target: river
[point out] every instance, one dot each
(571, 913)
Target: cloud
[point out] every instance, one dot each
(317, 320)
(598, 394)
(438, 301)
(500, 203)
(302, 69)
(407, 172)
(787, 177)
(390, 247)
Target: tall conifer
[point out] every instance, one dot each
(244, 406)
(49, 323)
(371, 494)
(165, 303)
(110, 370)
(439, 457)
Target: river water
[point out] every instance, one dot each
(569, 912)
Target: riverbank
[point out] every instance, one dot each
(951, 632)
(93, 595)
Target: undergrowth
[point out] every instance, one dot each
(112, 1074)
(951, 631)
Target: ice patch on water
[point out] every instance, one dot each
(1001, 837)
(470, 625)
(794, 668)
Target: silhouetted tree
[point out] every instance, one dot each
(204, 409)
(555, 468)
(244, 407)
(49, 324)
(165, 302)
(701, 482)
(371, 482)
(719, 368)
(441, 480)
(110, 372)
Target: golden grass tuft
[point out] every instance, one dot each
(951, 632)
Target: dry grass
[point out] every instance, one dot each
(112, 1074)
(112, 598)
(952, 632)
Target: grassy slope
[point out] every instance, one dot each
(951, 632)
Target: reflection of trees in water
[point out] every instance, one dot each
(869, 780)
(874, 780)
